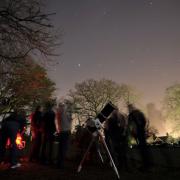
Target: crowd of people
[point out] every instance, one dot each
(48, 124)
(45, 126)
(119, 129)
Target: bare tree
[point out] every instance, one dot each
(24, 29)
(129, 94)
(90, 96)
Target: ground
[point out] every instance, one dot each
(36, 171)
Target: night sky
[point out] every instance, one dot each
(129, 41)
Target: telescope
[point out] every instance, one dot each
(94, 126)
(96, 123)
(106, 112)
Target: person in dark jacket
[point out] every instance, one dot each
(36, 130)
(116, 135)
(11, 126)
(48, 130)
(137, 126)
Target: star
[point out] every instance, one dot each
(106, 12)
(150, 3)
(76, 14)
(99, 65)
(156, 69)
(132, 61)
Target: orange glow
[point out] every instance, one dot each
(19, 141)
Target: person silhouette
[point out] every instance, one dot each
(11, 126)
(137, 125)
(117, 133)
(48, 130)
(36, 130)
(63, 126)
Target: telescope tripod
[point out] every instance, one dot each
(96, 134)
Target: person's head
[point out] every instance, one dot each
(14, 113)
(68, 105)
(131, 107)
(39, 108)
(49, 105)
(114, 114)
(61, 106)
(22, 113)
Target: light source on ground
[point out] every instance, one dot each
(19, 142)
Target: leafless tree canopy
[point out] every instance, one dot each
(24, 28)
(90, 96)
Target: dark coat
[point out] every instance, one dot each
(49, 122)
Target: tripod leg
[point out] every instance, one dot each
(109, 154)
(84, 157)
(100, 155)
(99, 151)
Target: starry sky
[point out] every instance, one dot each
(136, 42)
